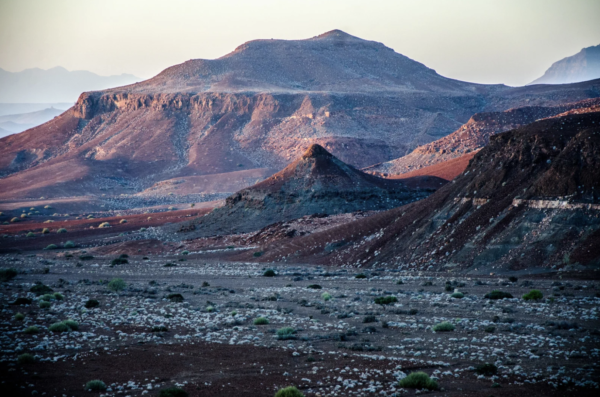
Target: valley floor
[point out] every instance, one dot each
(146, 337)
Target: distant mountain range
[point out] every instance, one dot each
(14, 123)
(255, 110)
(54, 85)
(583, 66)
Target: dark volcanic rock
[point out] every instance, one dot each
(529, 199)
(317, 183)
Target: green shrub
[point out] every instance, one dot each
(261, 321)
(159, 328)
(45, 230)
(418, 380)
(360, 275)
(15, 219)
(116, 285)
(19, 317)
(7, 274)
(26, 358)
(95, 385)
(61, 230)
(86, 257)
(269, 273)
(490, 329)
(495, 294)
(186, 252)
(289, 391)
(175, 297)
(104, 224)
(173, 392)
(286, 333)
(210, 309)
(412, 312)
(30, 234)
(119, 261)
(513, 279)
(47, 207)
(123, 221)
(59, 327)
(386, 300)
(69, 244)
(58, 296)
(534, 294)
(45, 305)
(458, 295)
(31, 330)
(326, 296)
(74, 325)
(51, 247)
(257, 254)
(314, 286)
(47, 297)
(41, 289)
(486, 369)
(91, 303)
(443, 327)
(22, 301)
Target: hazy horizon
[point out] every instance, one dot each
(510, 42)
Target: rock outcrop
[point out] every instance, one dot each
(528, 201)
(317, 183)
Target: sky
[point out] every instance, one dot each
(483, 41)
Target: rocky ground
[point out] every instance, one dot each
(188, 321)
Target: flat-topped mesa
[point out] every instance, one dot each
(315, 151)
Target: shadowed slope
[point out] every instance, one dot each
(318, 182)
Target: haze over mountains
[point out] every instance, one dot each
(259, 107)
(54, 85)
(583, 66)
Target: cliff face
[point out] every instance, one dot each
(259, 107)
(529, 199)
(476, 133)
(317, 183)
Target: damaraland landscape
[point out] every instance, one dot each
(317, 217)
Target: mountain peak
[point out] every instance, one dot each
(315, 151)
(336, 34)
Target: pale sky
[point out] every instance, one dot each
(484, 41)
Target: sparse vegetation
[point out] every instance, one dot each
(289, 391)
(31, 330)
(496, 294)
(159, 328)
(15, 219)
(443, 327)
(69, 244)
(116, 285)
(119, 261)
(45, 230)
(104, 224)
(7, 274)
(418, 380)
(261, 321)
(173, 392)
(91, 303)
(257, 254)
(19, 317)
(95, 385)
(41, 289)
(269, 273)
(61, 230)
(386, 300)
(286, 333)
(31, 234)
(45, 305)
(513, 279)
(534, 294)
(458, 295)
(360, 275)
(314, 286)
(175, 297)
(59, 327)
(51, 247)
(123, 221)
(486, 369)
(185, 252)
(326, 296)
(25, 358)
(86, 257)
